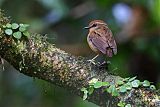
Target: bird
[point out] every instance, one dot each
(100, 39)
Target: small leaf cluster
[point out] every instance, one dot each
(128, 83)
(93, 84)
(123, 104)
(121, 86)
(16, 30)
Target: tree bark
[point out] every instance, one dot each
(35, 57)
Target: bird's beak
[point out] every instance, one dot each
(86, 27)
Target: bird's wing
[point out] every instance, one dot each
(104, 42)
(112, 43)
(100, 44)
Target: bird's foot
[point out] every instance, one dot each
(104, 64)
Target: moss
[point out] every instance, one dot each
(3, 20)
(36, 57)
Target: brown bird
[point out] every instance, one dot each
(100, 39)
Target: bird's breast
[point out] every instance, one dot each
(91, 45)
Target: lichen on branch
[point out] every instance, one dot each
(32, 55)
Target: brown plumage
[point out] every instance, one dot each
(100, 38)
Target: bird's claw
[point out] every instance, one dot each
(100, 64)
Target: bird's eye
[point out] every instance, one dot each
(94, 25)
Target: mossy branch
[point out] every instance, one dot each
(35, 57)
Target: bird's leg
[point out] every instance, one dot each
(93, 59)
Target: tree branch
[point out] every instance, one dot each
(36, 57)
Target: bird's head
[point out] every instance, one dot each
(95, 24)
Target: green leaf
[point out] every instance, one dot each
(93, 81)
(128, 105)
(8, 31)
(146, 83)
(121, 104)
(24, 25)
(8, 25)
(90, 90)
(152, 87)
(21, 24)
(105, 83)
(15, 25)
(128, 85)
(122, 89)
(133, 78)
(4, 26)
(120, 82)
(26, 34)
(135, 83)
(22, 28)
(112, 89)
(85, 96)
(126, 79)
(109, 90)
(115, 92)
(17, 35)
(83, 89)
(85, 92)
(98, 84)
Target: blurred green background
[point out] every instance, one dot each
(134, 23)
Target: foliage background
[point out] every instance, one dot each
(134, 23)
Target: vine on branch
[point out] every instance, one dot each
(121, 86)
